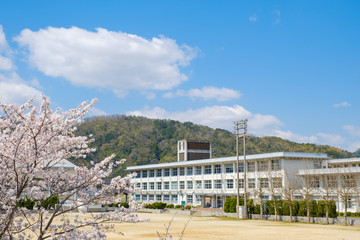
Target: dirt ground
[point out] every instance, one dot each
(227, 228)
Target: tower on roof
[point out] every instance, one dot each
(193, 150)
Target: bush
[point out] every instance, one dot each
(286, 209)
(332, 209)
(269, 207)
(123, 204)
(178, 206)
(230, 204)
(156, 205)
(257, 209)
(296, 206)
(250, 205)
(321, 209)
(170, 206)
(187, 207)
(302, 208)
(312, 208)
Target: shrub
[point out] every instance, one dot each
(321, 209)
(296, 206)
(230, 204)
(187, 207)
(257, 209)
(302, 208)
(250, 205)
(178, 206)
(286, 209)
(269, 207)
(170, 206)
(156, 205)
(332, 209)
(123, 204)
(312, 208)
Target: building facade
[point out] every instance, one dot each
(208, 182)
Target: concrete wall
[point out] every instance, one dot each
(338, 220)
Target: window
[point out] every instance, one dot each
(158, 173)
(189, 171)
(166, 172)
(251, 166)
(275, 165)
(152, 186)
(263, 166)
(229, 168)
(241, 167)
(277, 182)
(198, 170)
(167, 198)
(198, 200)
(137, 185)
(152, 173)
(174, 172)
(182, 184)
(229, 183)
(158, 185)
(207, 184)
(189, 199)
(190, 185)
(331, 182)
(207, 169)
(251, 183)
(182, 171)
(241, 183)
(151, 197)
(217, 184)
(144, 186)
(174, 198)
(317, 164)
(264, 182)
(158, 198)
(348, 181)
(166, 185)
(315, 182)
(198, 184)
(217, 168)
(137, 197)
(174, 185)
(144, 174)
(144, 198)
(138, 174)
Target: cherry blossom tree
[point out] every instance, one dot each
(34, 140)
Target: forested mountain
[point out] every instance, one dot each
(143, 141)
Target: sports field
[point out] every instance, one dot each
(227, 228)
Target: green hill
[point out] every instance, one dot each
(143, 141)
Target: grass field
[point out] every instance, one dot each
(227, 228)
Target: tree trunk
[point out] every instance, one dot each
(261, 210)
(291, 212)
(345, 213)
(275, 209)
(327, 212)
(308, 210)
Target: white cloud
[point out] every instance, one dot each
(207, 93)
(331, 139)
(17, 92)
(215, 117)
(352, 130)
(342, 104)
(107, 59)
(5, 62)
(253, 18)
(354, 147)
(96, 112)
(294, 137)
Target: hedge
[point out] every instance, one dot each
(230, 205)
(156, 205)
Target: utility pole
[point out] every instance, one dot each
(242, 124)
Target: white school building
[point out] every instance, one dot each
(197, 179)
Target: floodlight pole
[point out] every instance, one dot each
(241, 125)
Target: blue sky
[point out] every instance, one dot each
(291, 67)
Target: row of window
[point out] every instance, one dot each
(262, 166)
(167, 198)
(209, 184)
